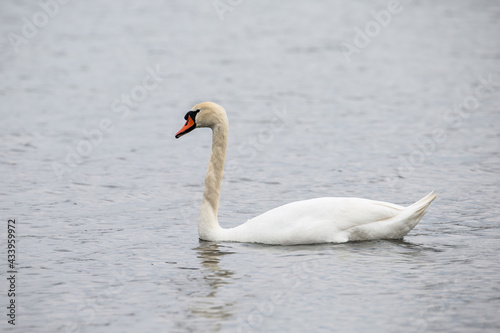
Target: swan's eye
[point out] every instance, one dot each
(191, 114)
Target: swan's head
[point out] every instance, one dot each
(205, 114)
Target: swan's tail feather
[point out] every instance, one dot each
(410, 217)
(424, 203)
(395, 227)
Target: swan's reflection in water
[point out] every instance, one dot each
(210, 304)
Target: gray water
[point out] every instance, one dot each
(106, 221)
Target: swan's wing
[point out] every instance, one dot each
(313, 221)
(344, 213)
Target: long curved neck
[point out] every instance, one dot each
(208, 226)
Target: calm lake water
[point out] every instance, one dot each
(373, 99)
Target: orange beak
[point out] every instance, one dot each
(188, 127)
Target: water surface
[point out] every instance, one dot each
(107, 238)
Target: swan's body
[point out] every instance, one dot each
(321, 220)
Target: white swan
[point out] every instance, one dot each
(322, 220)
